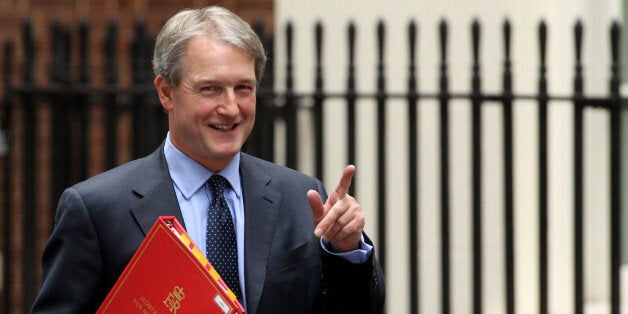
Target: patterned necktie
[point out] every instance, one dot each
(221, 240)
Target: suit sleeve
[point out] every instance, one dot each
(72, 262)
(353, 288)
(350, 287)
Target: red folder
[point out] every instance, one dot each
(169, 274)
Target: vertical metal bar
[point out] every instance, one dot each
(476, 137)
(381, 145)
(616, 170)
(7, 247)
(146, 132)
(578, 174)
(111, 96)
(351, 100)
(271, 113)
(82, 100)
(319, 98)
(261, 142)
(413, 175)
(542, 100)
(62, 114)
(444, 170)
(29, 196)
(137, 103)
(508, 173)
(290, 109)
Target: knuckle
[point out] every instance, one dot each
(343, 220)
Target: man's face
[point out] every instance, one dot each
(212, 110)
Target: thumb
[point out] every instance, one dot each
(316, 204)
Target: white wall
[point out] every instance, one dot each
(560, 16)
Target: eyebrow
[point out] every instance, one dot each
(212, 81)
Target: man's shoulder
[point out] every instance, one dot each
(125, 174)
(271, 169)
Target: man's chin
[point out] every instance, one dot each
(227, 153)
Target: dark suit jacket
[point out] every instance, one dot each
(102, 221)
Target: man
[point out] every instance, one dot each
(298, 251)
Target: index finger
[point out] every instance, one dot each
(345, 182)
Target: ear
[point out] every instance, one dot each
(164, 90)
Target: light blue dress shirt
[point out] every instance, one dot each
(190, 185)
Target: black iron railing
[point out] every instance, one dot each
(84, 121)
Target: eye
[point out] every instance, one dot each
(244, 87)
(206, 89)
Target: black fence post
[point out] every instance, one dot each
(476, 186)
(319, 99)
(290, 107)
(381, 146)
(444, 97)
(64, 115)
(111, 96)
(7, 110)
(578, 142)
(413, 166)
(508, 173)
(148, 118)
(542, 99)
(83, 101)
(29, 218)
(351, 99)
(616, 169)
(262, 140)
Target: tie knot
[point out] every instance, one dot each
(217, 184)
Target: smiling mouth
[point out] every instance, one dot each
(223, 127)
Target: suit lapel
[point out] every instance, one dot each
(155, 189)
(261, 204)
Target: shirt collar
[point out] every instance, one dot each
(189, 176)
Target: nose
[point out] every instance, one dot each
(229, 104)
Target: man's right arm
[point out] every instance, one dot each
(73, 272)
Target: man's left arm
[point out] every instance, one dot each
(353, 278)
(353, 287)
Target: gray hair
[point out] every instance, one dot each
(216, 23)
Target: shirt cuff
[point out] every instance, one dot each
(357, 256)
